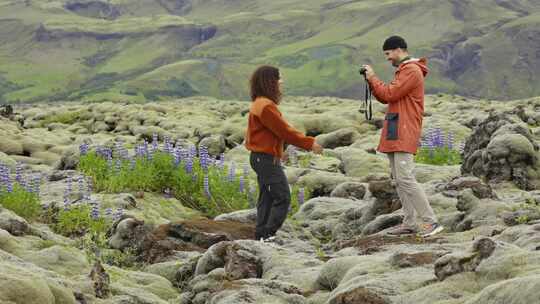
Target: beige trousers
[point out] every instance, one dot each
(412, 196)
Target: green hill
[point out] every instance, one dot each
(138, 50)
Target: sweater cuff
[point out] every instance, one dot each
(308, 143)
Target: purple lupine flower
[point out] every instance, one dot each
(106, 153)
(207, 186)
(3, 173)
(108, 212)
(432, 137)
(98, 150)
(83, 149)
(118, 147)
(301, 196)
(177, 157)
(145, 147)
(6, 178)
(428, 138)
(155, 142)
(37, 183)
(461, 147)
(9, 185)
(430, 142)
(81, 184)
(184, 154)
(69, 183)
(121, 151)
(189, 165)
(438, 138)
(94, 213)
(118, 214)
(166, 145)
(18, 173)
(193, 152)
(204, 158)
(232, 173)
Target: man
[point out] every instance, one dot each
(401, 133)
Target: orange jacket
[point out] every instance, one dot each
(267, 130)
(402, 126)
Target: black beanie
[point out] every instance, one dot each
(394, 42)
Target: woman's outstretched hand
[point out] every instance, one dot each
(317, 149)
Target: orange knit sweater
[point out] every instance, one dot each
(267, 130)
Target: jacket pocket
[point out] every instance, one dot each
(392, 127)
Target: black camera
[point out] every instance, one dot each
(362, 71)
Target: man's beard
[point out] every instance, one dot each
(395, 63)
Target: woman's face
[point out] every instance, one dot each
(280, 84)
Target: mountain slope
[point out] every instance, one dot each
(149, 49)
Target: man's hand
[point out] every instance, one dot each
(369, 71)
(317, 149)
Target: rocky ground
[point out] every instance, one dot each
(333, 250)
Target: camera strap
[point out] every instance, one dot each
(367, 101)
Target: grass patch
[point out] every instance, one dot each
(198, 181)
(19, 200)
(438, 156)
(438, 148)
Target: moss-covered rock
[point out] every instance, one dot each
(11, 146)
(141, 285)
(359, 163)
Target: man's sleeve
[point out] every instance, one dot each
(271, 119)
(405, 81)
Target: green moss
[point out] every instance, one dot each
(67, 118)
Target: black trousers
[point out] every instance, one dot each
(274, 194)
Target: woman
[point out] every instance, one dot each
(267, 132)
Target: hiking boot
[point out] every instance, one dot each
(401, 230)
(431, 229)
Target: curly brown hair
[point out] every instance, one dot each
(264, 83)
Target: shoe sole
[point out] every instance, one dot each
(435, 231)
